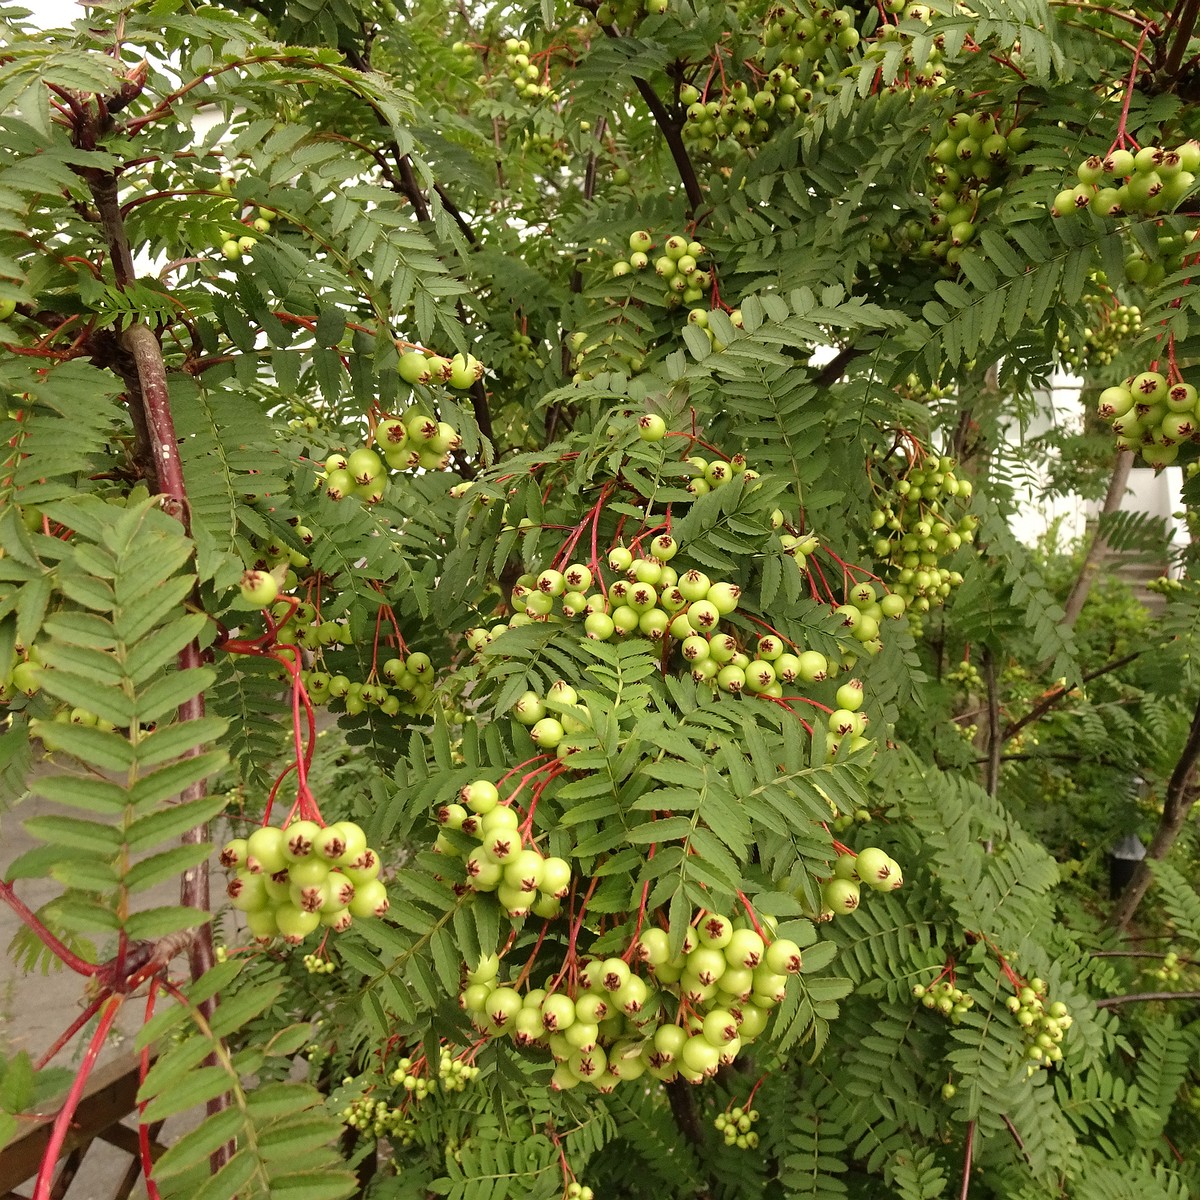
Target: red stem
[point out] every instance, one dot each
(1122, 136)
(62, 1123)
(750, 913)
(967, 1156)
(806, 700)
(274, 791)
(68, 957)
(536, 758)
(70, 1031)
(152, 1192)
(576, 926)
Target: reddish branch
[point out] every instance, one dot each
(150, 400)
(43, 1189)
(967, 1156)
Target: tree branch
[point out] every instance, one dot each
(408, 186)
(671, 129)
(683, 1108)
(1183, 19)
(1181, 795)
(1058, 695)
(673, 136)
(967, 1156)
(835, 368)
(1093, 560)
(995, 739)
(1140, 997)
(152, 397)
(1016, 1137)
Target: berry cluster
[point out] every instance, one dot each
(627, 14)
(969, 158)
(1152, 415)
(603, 1023)
(554, 151)
(1169, 971)
(377, 1118)
(299, 623)
(785, 75)
(841, 892)
(234, 245)
(843, 821)
(505, 861)
(586, 353)
(929, 77)
(945, 997)
(25, 678)
(1113, 326)
(412, 676)
(314, 964)
(716, 472)
(390, 1116)
(649, 598)
(1044, 1026)
(743, 118)
(966, 675)
(530, 81)
(914, 388)
(735, 1127)
(292, 880)
(863, 613)
(1150, 181)
(1172, 249)
(913, 531)
(797, 547)
(678, 266)
(523, 348)
(404, 443)
(461, 372)
(453, 1075)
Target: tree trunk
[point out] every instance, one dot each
(1097, 552)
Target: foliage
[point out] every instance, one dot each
(342, 339)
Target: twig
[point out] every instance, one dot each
(1181, 795)
(1058, 695)
(966, 1183)
(1140, 997)
(1016, 1137)
(673, 136)
(30, 918)
(671, 129)
(995, 740)
(1183, 962)
(62, 1123)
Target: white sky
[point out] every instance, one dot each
(49, 14)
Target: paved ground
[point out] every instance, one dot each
(36, 1008)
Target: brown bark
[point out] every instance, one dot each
(1097, 552)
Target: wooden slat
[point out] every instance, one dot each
(111, 1094)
